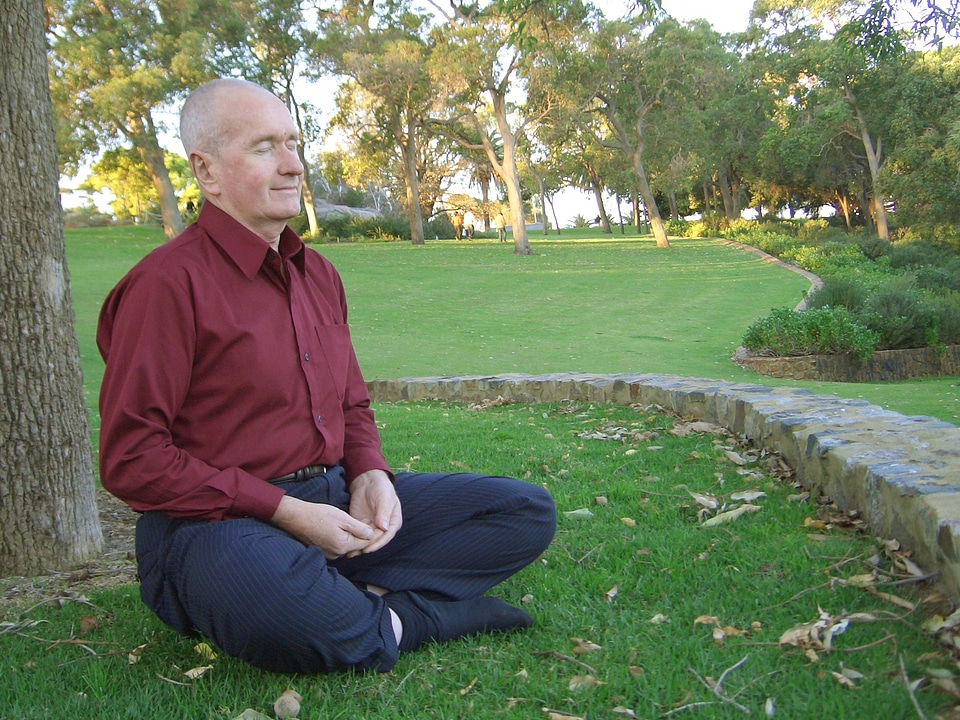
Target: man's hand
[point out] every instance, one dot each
(329, 528)
(374, 501)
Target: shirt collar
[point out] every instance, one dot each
(247, 249)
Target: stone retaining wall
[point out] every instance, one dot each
(882, 366)
(902, 473)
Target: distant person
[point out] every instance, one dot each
(457, 221)
(469, 222)
(236, 419)
(500, 223)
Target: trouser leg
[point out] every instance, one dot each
(261, 595)
(462, 534)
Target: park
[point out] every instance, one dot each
(696, 571)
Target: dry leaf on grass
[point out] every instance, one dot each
(584, 682)
(584, 646)
(731, 515)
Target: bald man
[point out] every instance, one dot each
(236, 420)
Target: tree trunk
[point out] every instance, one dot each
(729, 206)
(144, 138)
(649, 202)
(411, 181)
(873, 161)
(313, 227)
(48, 515)
(507, 170)
(602, 220)
(674, 207)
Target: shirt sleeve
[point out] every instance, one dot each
(147, 337)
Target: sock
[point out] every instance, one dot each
(427, 621)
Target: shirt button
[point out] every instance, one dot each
(319, 418)
(306, 356)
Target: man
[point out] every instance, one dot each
(235, 418)
(500, 223)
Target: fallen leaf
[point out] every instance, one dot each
(844, 680)
(748, 495)
(583, 682)
(198, 672)
(584, 646)
(731, 515)
(89, 624)
(707, 501)
(635, 671)
(625, 711)
(862, 581)
(814, 524)
(610, 594)
(561, 715)
(948, 686)
(851, 673)
(469, 687)
(707, 620)
(628, 521)
(251, 714)
(579, 513)
(734, 457)
(600, 500)
(659, 619)
(205, 651)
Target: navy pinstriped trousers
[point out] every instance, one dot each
(261, 595)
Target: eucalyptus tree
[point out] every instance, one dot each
(48, 516)
(382, 49)
(477, 61)
(117, 64)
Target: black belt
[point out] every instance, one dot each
(311, 471)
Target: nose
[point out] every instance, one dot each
(291, 164)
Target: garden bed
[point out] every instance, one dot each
(883, 365)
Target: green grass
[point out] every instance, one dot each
(584, 302)
(594, 305)
(643, 555)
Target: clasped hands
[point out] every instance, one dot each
(375, 517)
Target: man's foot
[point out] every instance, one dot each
(426, 621)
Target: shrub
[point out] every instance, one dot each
(839, 292)
(677, 227)
(900, 318)
(943, 277)
(874, 247)
(915, 254)
(820, 331)
(947, 310)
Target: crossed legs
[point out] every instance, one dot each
(263, 596)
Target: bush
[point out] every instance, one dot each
(940, 278)
(900, 318)
(947, 310)
(821, 331)
(874, 247)
(839, 292)
(677, 227)
(916, 254)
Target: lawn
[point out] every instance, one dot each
(646, 604)
(586, 303)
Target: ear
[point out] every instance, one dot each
(204, 170)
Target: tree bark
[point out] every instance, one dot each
(144, 137)
(411, 179)
(873, 161)
(48, 511)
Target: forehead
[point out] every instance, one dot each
(253, 116)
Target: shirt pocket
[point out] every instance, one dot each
(337, 353)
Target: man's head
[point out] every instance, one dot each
(242, 146)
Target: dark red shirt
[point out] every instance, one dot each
(228, 364)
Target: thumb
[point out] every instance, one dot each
(357, 529)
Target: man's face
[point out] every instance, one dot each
(257, 175)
